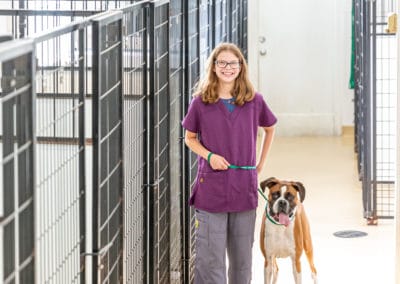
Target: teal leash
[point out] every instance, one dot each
(272, 220)
(266, 209)
(242, 167)
(262, 194)
(248, 168)
(259, 190)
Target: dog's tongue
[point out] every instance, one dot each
(284, 219)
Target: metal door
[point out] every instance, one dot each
(17, 149)
(159, 192)
(107, 149)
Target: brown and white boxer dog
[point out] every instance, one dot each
(285, 231)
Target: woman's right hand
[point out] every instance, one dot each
(218, 163)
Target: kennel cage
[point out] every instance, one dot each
(144, 229)
(375, 105)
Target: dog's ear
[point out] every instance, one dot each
(269, 182)
(301, 189)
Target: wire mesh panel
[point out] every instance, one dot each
(60, 160)
(358, 76)
(243, 35)
(122, 71)
(375, 116)
(234, 21)
(159, 191)
(362, 99)
(385, 108)
(135, 141)
(25, 18)
(22, 18)
(176, 90)
(17, 152)
(82, 5)
(221, 21)
(205, 32)
(192, 75)
(107, 148)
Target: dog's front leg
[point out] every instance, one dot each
(315, 278)
(271, 271)
(296, 274)
(267, 274)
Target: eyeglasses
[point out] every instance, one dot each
(224, 64)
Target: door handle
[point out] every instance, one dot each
(263, 52)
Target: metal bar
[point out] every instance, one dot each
(6, 220)
(213, 23)
(96, 39)
(68, 28)
(120, 233)
(158, 3)
(15, 93)
(118, 84)
(168, 146)
(102, 251)
(151, 278)
(146, 140)
(21, 149)
(47, 12)
(373, 79)
(22, 20)
(367, 112)
(107, 17)
(32, 127)
(99, 119)
(82, 153)
(136, 5)
(190, 64)
(15, 48)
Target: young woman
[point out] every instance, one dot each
(221, 128)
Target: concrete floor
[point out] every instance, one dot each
(327, 168)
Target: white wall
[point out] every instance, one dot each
(336, 51)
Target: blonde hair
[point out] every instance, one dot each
(207, 88)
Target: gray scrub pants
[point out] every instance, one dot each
(221, 234)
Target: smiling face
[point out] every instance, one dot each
(229, 73)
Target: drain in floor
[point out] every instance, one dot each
(349, 234)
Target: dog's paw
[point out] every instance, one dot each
(314, 277)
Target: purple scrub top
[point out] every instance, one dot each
(232, 135)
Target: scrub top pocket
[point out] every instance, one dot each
(248, 181)
(211, 191)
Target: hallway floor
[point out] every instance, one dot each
(327, 167)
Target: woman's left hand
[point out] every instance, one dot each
(259, 168)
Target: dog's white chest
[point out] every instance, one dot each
(279, 240)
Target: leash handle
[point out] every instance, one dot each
(241, 167)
